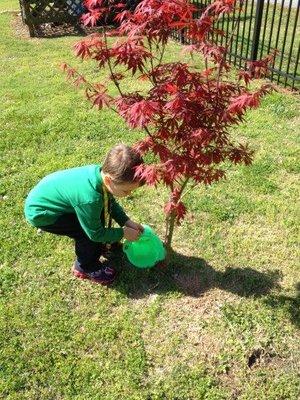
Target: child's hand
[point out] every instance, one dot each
(134, 225)
(131, 234)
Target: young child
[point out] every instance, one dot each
(79, 203)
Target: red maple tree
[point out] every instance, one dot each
(186, 114)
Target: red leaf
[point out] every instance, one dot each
(91, 17)
(102, 56)
(71, 72)
(63, 66)
(172, 169)
(131, 54)
(119, 5)
(207, 72)
(93, 3)
(170, 88)
(121, 16)
(240, 103)
(245, 75)
(200, 28)
(260, 68)
(241, 154)
(143, 146)
(222, 6)
(117, 76)
(155, 19)
(202, 136)
(99, 98)
(82, 49)
(163, 134)
(147, 173)
(162, 151)
(79, 81)
(178, 25)
(143, 77)
(178, 209)
(177, 105)
(138, 114)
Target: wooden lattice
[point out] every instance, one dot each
(35, 13)
(38, 12)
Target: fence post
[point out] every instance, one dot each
(257, 26)
(25, 13)
(182, 36)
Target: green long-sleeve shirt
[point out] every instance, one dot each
(79, 191)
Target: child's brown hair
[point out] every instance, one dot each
(120, 163)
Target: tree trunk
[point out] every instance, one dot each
(170, 224)
(171, 218)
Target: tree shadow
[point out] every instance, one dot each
(289, 304)
(192, 276)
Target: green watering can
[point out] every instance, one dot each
(146, 251)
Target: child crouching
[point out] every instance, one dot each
(80, 203)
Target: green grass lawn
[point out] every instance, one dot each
(221, 323)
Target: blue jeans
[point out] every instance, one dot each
(87, 251)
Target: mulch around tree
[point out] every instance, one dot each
(50, 30)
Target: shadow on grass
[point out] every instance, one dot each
(193, 276)
(290, 304)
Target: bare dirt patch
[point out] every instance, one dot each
(180, 334)
(20, 29)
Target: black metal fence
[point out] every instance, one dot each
(259, 28)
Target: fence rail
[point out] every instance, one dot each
(258, 28)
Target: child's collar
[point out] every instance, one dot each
(102, 183)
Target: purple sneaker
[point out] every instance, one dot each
(104, 275)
